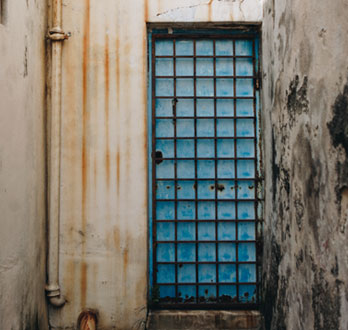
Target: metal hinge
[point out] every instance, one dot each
(258, 82)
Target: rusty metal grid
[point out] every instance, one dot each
(197, 301)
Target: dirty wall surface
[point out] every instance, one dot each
(103, 241)
(305, 106)
(22, 165)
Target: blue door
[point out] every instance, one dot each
(204, 170)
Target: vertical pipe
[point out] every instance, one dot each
(56, 35)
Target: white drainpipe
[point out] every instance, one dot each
(56, 35)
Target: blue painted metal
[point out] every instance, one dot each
(204, 210)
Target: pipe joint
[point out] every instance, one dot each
(54, 296)
(57, 34)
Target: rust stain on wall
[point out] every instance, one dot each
(117, 113)
(84, 110)
(116, 234)
(83, 283)
(107, 86)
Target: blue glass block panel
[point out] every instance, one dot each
(183, 47)
(206, 210)
(164, 47)
(167, 291)
(226, 210)
(225, 107)
(246, 252)
(184, 67)
(186, 211)
(165, 169)
(165, 274)
(165, 231)
(164, 67)
(185, 169)
(186, 189)
(245, 127)
(204, 47)
(164, 87)
(164, 107)
(205, 107)
(164, 128)
(225, 127)
(226, 231)
(205, 127)
(244, 67)
(227, 273)
(246, 189)
(225, 148)
(166, 147)
(184, 87)
(224, 67)
(165, 210)
(227, 252)
(186, 231)
(224, 47)
(244, 47)
(165, 252)
(244, 87)
(204, 67)
(247, 273)
(226, 190)
(186, 273)
(165, 189)
(228, 293)
(246, 231)
(224, 87)
(205, 87)
(206, 252)
(187, 293)
(184, 108)
(205, 148)
(186, 252)
(185, 148)
(205, 169)
(245, 108)
(207, 293)
(206, 231)
(206, 273)
(225, 168)
(246, 210)
(247, 293)
(206, 190)
(185, 127)
(245, 169)
(246, 148)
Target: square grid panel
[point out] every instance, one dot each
(204, 142)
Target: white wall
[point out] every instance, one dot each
(22, 166)
(104, 151)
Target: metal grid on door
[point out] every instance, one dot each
(204, 171)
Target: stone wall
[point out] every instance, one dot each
(305, 125)
(22, 165)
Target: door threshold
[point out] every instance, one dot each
(204, 320)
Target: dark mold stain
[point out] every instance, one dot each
(338, 127)
(325, 302)
(275, 167)
(270, 290)
(220, 187)
(297, 102)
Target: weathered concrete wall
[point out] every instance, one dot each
(103, 242)
(22, 166)
(305, 106)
